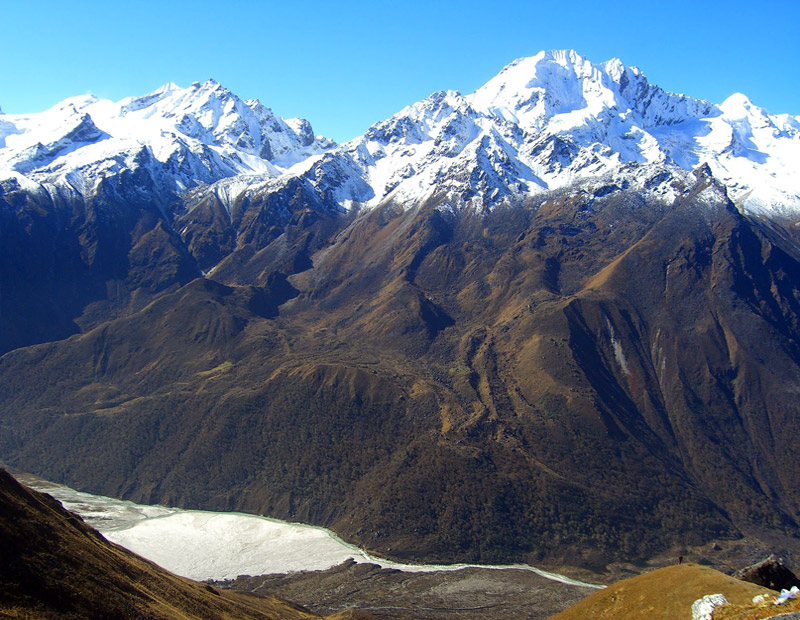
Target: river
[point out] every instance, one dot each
(222, 545)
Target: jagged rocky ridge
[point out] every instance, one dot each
(542, 123)
(492, 328)
(548, 121)
(172, 139)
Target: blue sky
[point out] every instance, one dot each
(344, 65)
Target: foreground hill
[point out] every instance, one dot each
(664, 594)
(55, 566)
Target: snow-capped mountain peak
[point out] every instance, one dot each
(198, 134)
(549, 120)
(551, 83)
(738, 107)
(542, 123)
(564, 89)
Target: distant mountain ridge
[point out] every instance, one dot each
(180, 136)
(550, 120)
(542, 123)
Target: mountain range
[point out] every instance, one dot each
(554, 320)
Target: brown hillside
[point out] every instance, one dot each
(663, 594)
(575, 381)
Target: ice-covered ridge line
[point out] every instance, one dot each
(542, 124)
(562, 85)
(217, 545)
(556, 118)
(182, 136)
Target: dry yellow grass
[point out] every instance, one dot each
(663, 594)
(755, 612)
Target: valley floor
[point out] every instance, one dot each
(465, 594)
(313, 567)
(316, 569)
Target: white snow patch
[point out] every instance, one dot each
(619, 354)
(207, 545)
(217, 545)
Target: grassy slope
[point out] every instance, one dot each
(663, 594)
(52, 565)
(749, 611)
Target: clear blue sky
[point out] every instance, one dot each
(346, 64)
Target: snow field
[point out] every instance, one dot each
(218, 545)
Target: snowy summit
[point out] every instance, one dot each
(181, 136)
(542, 123)
(547, 121)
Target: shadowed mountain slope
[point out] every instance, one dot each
(69, 263)
(55, 566)
(593, 375)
